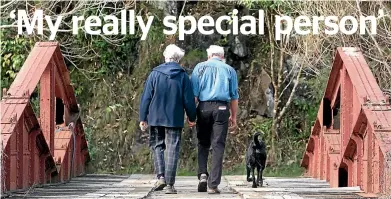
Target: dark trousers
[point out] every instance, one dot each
(160, 139)
(212, 129)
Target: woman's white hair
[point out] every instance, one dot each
(215, 51)
(173, 53)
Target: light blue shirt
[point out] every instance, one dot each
(213, 80)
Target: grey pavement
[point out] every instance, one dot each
(187, 188)
(290, 188)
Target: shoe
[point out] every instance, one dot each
(160, 184)
(171, 190)
(202, 185)
(213, 191)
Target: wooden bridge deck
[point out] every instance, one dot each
(139, 186)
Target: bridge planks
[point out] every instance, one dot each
(235, 187)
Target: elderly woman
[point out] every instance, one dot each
(167, 95)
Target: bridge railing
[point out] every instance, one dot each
(46, 147)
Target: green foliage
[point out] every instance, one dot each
(91, 146)
(114, 58)
(289, 170)
(223, 42)
(267, 4)
(292, 170)
(194, 57)
(317, 85)
(265, 49)
(14, 51)
(35, 105)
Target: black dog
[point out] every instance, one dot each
(256, 158)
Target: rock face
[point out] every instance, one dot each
(261, 96)
(169, 7)
(238, 48)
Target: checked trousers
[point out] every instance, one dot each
(165, 139)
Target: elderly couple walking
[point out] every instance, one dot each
(168, 93)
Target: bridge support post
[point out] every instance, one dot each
(47, 105)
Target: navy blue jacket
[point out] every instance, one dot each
(167, 93)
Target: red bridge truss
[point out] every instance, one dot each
(350, 143)
(36, 150)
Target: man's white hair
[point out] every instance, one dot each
(215, 50)
(173, 53)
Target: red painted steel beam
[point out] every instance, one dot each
(47, 107)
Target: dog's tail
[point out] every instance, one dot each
(256, 140)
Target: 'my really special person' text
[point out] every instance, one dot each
(126, 23)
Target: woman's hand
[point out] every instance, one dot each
(143, 126)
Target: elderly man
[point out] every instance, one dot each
(167, 94)
(215, 86)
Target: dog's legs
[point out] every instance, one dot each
(249, 179)
(253, 174)
(261, 177)
(258, 174)
(263, 165)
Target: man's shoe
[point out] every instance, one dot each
(171, 190)
(213, 191)
(203, 184)
(160, 184)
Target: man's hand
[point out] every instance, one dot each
(191, 124)
(232, 118)
(232, 123)
(143, 126)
